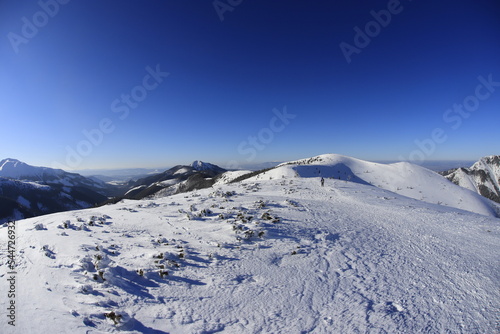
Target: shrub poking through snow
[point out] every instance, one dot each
(67, 224)
(245, 233)
(248, 234)
(206, 212)
(173, 263)
(86, 289)
(260, 204)
(48, 253)
(101, 261)
(244, 219)
(163, 273)
(268, 216)
(83, 227)
(220, 193)
(99, 277)
(158, 256)
(113, 316)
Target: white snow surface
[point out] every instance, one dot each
(230, 176)
(343, 258)
(402, 178)
(135, 189)
(465, 181)
(183, 170)
(168, 183)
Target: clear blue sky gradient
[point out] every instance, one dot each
(225, 78)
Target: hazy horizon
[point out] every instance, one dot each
(435, 165)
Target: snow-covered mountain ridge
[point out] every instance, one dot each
(260, 256)
(15, 169)
(482, 177)
(180, 178)
(402, 178)
(28, 191)
(23, 199)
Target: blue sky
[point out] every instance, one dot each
(110, 84)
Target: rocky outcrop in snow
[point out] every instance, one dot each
(483, 177)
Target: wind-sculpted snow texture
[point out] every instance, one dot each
(261, 256)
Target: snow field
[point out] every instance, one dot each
(262, 256)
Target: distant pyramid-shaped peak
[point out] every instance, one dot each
(205, 166)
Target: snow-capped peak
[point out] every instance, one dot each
(205, 166)
(483, 177)
(15, 169)
(7, 163)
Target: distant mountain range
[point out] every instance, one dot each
(177, 179)
(15, 169)
(482, 177)
(28, 191)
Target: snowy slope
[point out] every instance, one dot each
(402, 178)
(176, 179)
(15, 169)
(23, 199)
(230, 176)
(483, 177)
(28, 191)
(261, 256)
